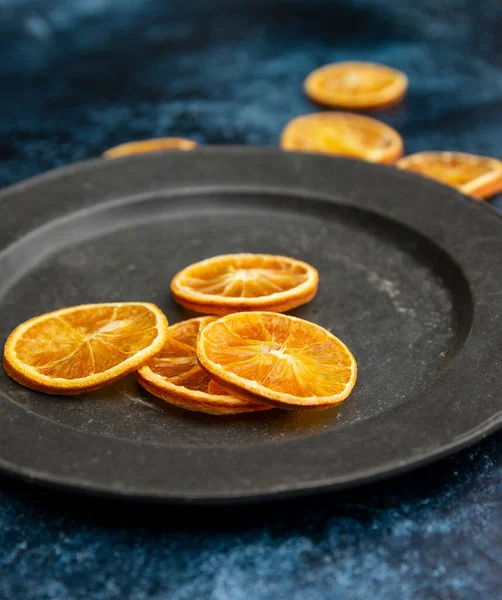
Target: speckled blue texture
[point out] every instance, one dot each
(80, 76)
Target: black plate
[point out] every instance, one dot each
(410, 279)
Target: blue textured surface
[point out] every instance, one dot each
(80, 76)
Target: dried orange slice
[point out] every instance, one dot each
(239, 282)
(154, 145)
(277, 359)
(176, 376)
(356, 85)
(476, 176)
(343, 134)
(82, 348)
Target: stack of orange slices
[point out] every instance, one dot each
(251, 359)
(176, 376)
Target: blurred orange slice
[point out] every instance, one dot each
(82, 348)
(343, 134)
(476, 176)
(154, 145)
(175, 375)
(278, 359)
(356, 85)
(239, 282)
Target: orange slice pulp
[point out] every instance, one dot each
(343, 134)
(82, 348)
(356, 85)
(153, 145)
(176, 376)
(278, 359)
(476, 176)
(239, 282)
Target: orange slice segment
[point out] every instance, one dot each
(476, 176)
(356, 85)
(215, 388)
(154, 145)
(82, 348)
(277, 359)
(239, 282)
(176, 376)
(343, 134)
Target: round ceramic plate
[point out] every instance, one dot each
(410, 277)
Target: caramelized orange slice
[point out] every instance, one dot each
(154, 145)
(476, 176)
(238, 282)
(343, 134)
(278, 359)
(82, 348)
(356, 85)
(175, 375)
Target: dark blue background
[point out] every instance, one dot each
(80, 76)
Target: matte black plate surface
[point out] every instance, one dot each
(410, 279)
